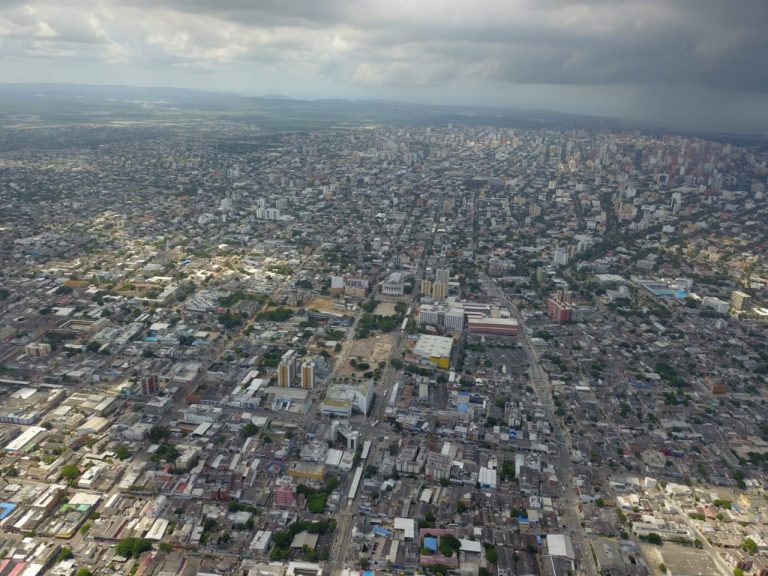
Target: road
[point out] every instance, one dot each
(340, 549)
(564, 467)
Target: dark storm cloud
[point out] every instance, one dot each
(613, 55)
(707, 42)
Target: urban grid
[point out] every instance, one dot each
(365, 350)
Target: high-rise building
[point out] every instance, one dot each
(285, 370)
(442, 275)
(426, 287)
(439, 291)
(149, 385)
(560, 257)
(560, 307)
(308, 375)
(740, 301)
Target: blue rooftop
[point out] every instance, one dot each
(5, 509)
(430, 543)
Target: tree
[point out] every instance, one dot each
(133, 547)
(83, 572)
(653, 538)
(157, 433)
(749, 546)
(123, 453)
(491, 554)
(449, 544)
(64, 554)
(70, 473)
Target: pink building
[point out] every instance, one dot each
(284, 496)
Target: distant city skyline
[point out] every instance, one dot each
(681, 63)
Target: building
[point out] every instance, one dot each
(439, 291)
(436, 349)
(394, 285)
(286, 369)
(306, 471)
(560, 257)
(27, 440)
(719, 306)
(285, 496)
(308, 375)
(560, 307)
(443, 316)
(342, 399)
(740, 301)
(442, 275)
(149, 385)
(426, 287)
(493, 326)
(37, 349)
(438, 466)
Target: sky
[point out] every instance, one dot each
(686, 63)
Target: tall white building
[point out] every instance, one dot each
(560, 257)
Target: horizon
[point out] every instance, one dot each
(616, 122)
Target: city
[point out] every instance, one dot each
(381, 350)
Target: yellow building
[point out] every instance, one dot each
(306, 471)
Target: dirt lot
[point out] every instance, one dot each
(370, 350)
(324, 305)
(385, 309)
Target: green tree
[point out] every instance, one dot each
(653, 538)
(70, 473)
(157, 433)
(123, 453)
(133, 547)
(449, 544)
(83, 572)
(491, 554)
(749, 546)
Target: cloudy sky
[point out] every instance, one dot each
(684, 62)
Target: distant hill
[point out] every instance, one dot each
(75, 103)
